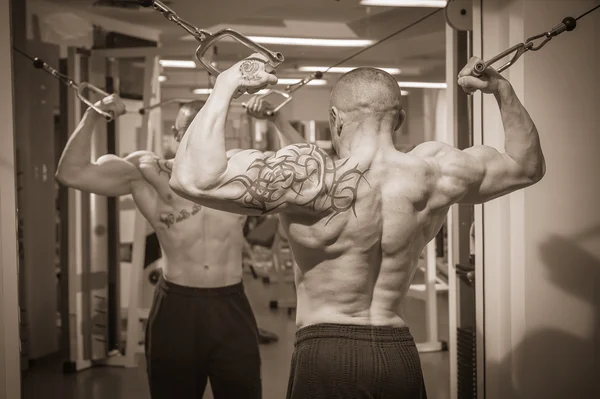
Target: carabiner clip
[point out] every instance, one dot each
(567, 24)
(85, 85)
(170, 15)
(274, 58)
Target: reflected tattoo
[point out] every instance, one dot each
(170, 219)
(313, 178)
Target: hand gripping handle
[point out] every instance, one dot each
(270, 112)
(518, 51)
(274, 58)
(85, 85)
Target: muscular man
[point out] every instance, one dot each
(356, 224)
(200, 325)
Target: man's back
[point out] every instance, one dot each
(355, 267)
(356, 225)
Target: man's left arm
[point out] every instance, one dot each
(300, 177)
(201, 158)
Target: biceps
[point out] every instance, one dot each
(110, 176)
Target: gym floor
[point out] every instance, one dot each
(46, 380)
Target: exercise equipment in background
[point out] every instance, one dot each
(567, 24)
(79, 88)
(287, 93)
(207, 39)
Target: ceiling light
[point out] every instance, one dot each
(424, 85)
(162, 78)
(301, 41)
(202, 91)
(393, 71)
(405, 3)
(315, 82)
(177, 63)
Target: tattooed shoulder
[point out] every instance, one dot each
(300, 174)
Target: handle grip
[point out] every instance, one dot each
(85, 85)
(518, 49)
(274, 58)
(270, 112)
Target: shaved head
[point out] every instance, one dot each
(364, 101)
(185, 116)
(189, 110)
(368, 90)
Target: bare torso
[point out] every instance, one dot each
(202, 246)
(355, 267)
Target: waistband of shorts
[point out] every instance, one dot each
(172, 288)
(380, 334)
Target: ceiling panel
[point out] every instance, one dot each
(422, 46)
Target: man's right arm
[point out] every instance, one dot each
(286, 132)
(257, 107)
(482, 173)
(109, 175)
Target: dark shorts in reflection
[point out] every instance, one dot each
(198, 333)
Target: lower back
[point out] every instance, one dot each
(349, 290)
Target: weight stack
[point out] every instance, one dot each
(467, 363)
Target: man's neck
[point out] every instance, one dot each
(365, 139)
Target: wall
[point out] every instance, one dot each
(542, 244)
(10, 379)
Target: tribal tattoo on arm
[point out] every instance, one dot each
(302, 175)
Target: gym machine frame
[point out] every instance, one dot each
(88, 246)
(465, 300)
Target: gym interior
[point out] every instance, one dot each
(505, 300)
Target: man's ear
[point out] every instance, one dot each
(335, 120)
(401, 119)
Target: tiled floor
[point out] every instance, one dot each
(46, 381)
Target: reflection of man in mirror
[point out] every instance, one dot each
(201, 324)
